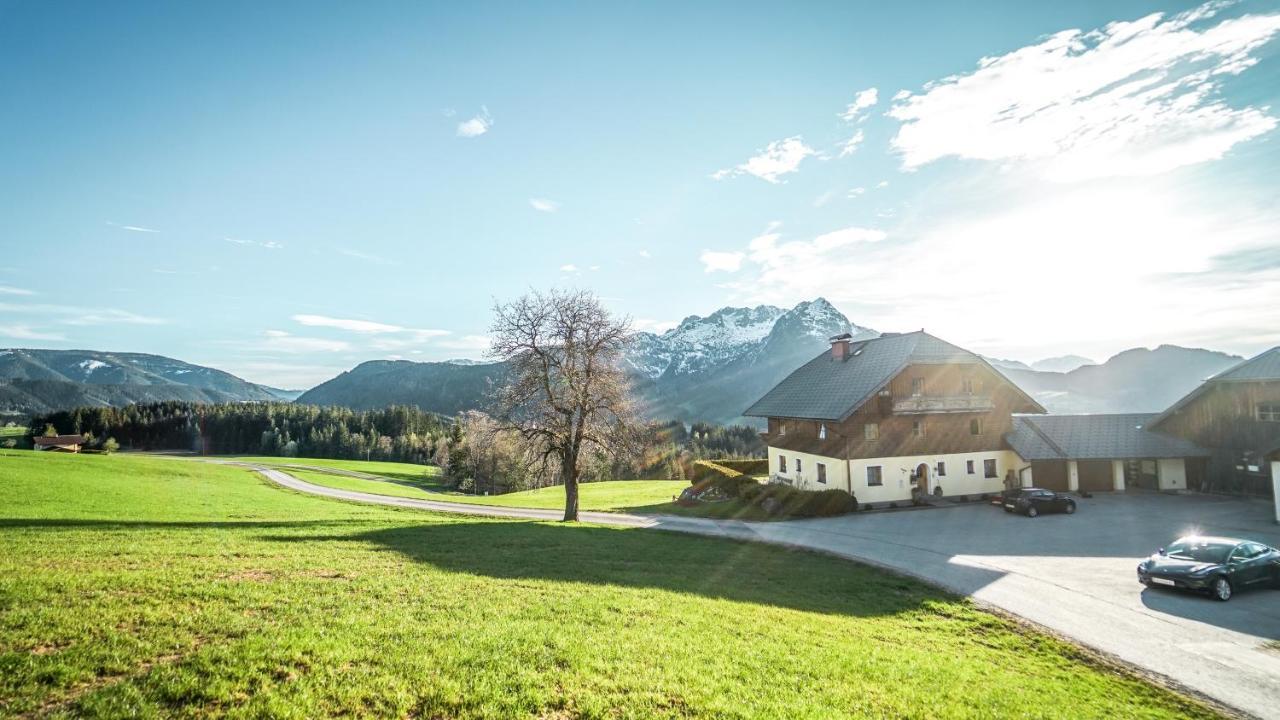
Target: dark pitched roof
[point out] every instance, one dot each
(1095, 437)
(828, 389)
(60, 440)
(1260, 368)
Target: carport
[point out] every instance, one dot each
(1100, 453)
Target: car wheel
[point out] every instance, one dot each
(1071, 508)
(1221, 590)
(1032, 511)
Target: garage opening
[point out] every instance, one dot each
(1051, 475)
(1142, 475)
(1095, 475)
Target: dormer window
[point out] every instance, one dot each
(822, 431)
(917, 387)
(968, 386)
(782, 428)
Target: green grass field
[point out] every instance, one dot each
(15, 431)
(422, 475)
(144, 587)
(613, 495)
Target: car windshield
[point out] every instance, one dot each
(1200, 551)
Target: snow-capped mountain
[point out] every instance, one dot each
(699, 344)
(711, 368)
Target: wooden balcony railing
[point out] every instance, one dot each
(924, 404)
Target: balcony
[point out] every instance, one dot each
(928, 404)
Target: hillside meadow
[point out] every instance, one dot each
(145, 587)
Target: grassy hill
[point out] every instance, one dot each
(135, 586)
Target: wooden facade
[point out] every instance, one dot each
(923, 410)
(1224, 417)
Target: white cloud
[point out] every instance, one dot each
(476, 126)
(882, 184)
(359, 326)
(466, 342)
(1027, 260)
(645, 254)
(26, 332)
(368, 327)
(277, 341)
(270, 244)
(849, 146)
(132, 228)
(721, 261)
(594, 268)
(1131, 99)
(778, 158)
(357, 254)
(861, 102)
(856, 192)
(544, 205)
(8, 290)
(74, 315)
(653, 326)
(570, 268)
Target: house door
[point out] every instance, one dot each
(922, 479)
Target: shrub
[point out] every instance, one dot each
(785, 501)
(752, 466)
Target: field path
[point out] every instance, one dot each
(1198, 649)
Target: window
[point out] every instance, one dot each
(942, 469)
(1269, 412)
(917, 428)
(871, 431)
(968, 466)
(873, 476)
(967, 388)
(822, 431)
(975, 426)
(989, 469)
(797, 464)
(917, 387)
(822, 473)
(782, 428)
(782, 463)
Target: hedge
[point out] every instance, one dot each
(776, 499)
(749, 466)
(790, 502)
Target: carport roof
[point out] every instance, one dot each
(1095, 437)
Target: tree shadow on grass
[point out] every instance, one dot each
(709, 567)
(90, 523)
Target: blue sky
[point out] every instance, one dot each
(284, 189)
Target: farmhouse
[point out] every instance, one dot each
(892, 417)
(1236, 414)
(907, 416)
(59, 443)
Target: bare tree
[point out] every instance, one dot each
(565, 392)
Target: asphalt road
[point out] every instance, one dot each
(1074, 575)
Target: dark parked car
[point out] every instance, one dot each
(1219, 566)
(1035, 501)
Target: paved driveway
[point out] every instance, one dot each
(1075, 574)
(1072, 574)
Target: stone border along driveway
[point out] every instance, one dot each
(1070, 575)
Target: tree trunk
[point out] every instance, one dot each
(570, 469)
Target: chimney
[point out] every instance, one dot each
(840, 347)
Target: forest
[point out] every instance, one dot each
(466, 448)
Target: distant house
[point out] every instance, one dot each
(1236, 414)
(1094, 453)
(59, 443)
(894, 416)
